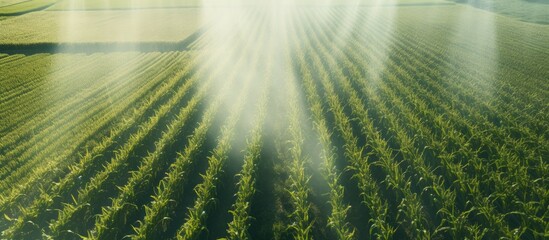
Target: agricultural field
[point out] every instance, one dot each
(18, 7)
(122, 4)
(169, 25)
(278, 120)
(536, 11)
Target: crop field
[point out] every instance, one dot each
(17, 7)
(312, 120)
(100, 26)
(529, 10)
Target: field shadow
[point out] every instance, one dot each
(29, 10)
(100, 47)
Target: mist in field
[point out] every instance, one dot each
(257, 40)
(481, 31)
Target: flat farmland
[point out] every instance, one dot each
(274, 120)
(122, 4)
(147, 4)
(17, 7)
(168, 25)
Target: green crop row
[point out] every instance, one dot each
(238, 227)
(338, 218)
(206, 190)
(299, 180)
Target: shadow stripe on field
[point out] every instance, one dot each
(100, 47)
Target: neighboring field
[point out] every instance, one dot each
(536, 11)
(141, 4)
(168, 25)
(122, 4)
(4, 3)
(423, 122)
(16, 7)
